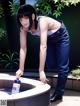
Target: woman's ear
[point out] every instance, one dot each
(33, 16)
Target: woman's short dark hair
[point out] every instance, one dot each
(26, 10)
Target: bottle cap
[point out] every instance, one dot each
(17, 81)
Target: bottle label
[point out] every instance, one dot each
(15, 88)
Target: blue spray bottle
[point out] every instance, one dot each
(16, 86)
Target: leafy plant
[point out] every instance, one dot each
(76, 72)
(59, 6)
(9, 60)
(69, 2)
(3, 34)
(53, 7)
(1, 11)
(14, 7)
(43, 7)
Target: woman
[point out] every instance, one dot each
(51, 33)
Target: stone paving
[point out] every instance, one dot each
(70, 98)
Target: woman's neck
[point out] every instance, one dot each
(33, 29)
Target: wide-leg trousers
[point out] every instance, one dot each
(58, 54)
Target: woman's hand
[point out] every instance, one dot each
(19, 73)
(43, 77)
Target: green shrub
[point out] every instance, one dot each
(1, 11)
(53, 7)
(47, 7)
(14, 7)
(76, 72)
(9, 60)
(3, 34)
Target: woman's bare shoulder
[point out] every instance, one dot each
(46, 18)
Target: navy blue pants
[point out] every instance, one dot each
(58, 53)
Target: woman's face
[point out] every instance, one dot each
(25, 22)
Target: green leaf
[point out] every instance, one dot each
(3, 61)
(7, 65)
(16, 63)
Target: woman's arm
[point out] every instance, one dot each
(23, 51)
(43, 48)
